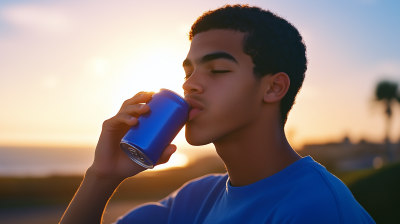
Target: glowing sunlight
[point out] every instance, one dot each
(176, 160)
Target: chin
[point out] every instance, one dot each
(196, 139)
(196, 142)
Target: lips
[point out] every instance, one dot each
(196, 108)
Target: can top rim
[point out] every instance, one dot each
(177, 95)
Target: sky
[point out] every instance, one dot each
(67, 65)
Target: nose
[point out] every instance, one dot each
(193, 84)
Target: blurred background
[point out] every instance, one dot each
(67, 65)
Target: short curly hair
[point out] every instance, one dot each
(273, 43)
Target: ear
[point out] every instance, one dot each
(276, 87)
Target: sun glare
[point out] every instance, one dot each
(99, 66)
(176, 160)
(153, 70)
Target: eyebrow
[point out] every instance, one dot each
(211, 57)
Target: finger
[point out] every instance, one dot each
(167, 154)
(122, 119)
(135, 110)
(141, 97)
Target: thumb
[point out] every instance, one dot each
(168, 151)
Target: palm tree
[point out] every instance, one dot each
(386, 92)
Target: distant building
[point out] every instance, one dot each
(345, 156)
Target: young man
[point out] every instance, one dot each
(244, 69)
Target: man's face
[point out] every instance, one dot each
(220, 78)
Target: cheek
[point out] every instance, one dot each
(230, 106)
(235, 108)
(236, 98)
(232, 110)
(225, 114)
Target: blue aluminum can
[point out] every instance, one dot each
(155, 130)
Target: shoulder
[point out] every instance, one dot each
(319, 195)
(145, 214)
(199, 188)
(183, 199)
(206, 182)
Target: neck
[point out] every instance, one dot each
(255, 152)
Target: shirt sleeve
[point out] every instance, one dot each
(148, 213)
(187, 198)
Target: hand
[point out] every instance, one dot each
(110, 161)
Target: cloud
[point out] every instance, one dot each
(37, 18)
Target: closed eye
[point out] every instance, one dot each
(212, 71)
(219, 71)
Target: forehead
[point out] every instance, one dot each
(217, 40)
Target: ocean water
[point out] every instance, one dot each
(40, 162)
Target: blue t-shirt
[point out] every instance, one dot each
(303, 192)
